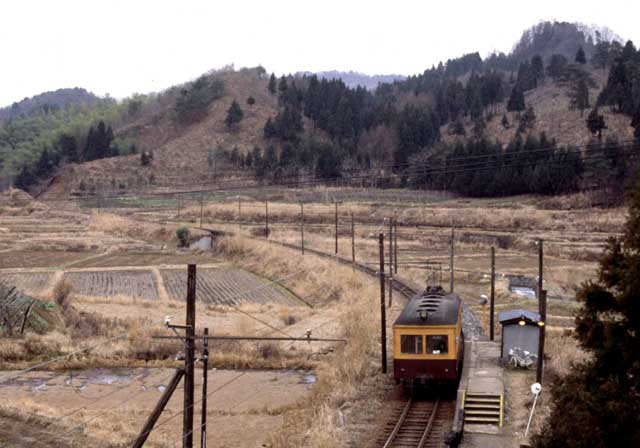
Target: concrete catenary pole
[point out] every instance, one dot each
(383, 318)
(451, 260)
(493, 292)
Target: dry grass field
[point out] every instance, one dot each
(125, 274)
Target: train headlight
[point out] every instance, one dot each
(424, 314)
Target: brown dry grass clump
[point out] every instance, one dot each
(126, 227)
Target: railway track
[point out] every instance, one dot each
(418, 424)
(403, 287)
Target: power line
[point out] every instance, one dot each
(192, 405)
(425, 169)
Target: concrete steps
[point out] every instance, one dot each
(483, 409)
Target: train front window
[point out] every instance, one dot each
(411, 344)
(437, 344)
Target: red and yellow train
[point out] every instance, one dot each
(428, 340)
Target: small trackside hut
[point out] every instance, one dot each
(428, 340)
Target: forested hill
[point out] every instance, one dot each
(354, 79)
(540, 119)
(48, 102)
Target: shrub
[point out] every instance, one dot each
(183, 236)
(62, 293)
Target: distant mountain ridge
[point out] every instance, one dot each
(56, 99)
(354, 79)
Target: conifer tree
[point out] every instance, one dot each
(601, 55)
(234, 115)
(579, 95)
(505, 121)
(527, 120)
(596, 404)
(581, 58)
(537, 69)
(595, 123)
(556, 66)
(272, 84)
(516, 100)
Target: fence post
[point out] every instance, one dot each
(383, 319)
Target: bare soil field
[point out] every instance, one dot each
(135, 284)
(227, 286)
(247, 407)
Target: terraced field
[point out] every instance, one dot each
(227, 286)
(28, 282)
(139, 284)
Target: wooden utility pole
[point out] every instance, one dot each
(153, 418)
(336, 228)
(493, 292)
(540, 273)
(266, 219)
(390, 262)
(201, 207)
(395, 246)
(452, 253)
(353, 241)
(302, 227)
(205, 369)
(541, 335)
(189, 356)
(383, 318)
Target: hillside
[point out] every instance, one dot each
(354, 79)
(181, 154)
(554, 117)
(314, 125)
(48, 101)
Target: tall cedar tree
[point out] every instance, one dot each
(272, 84)
(556, 66)
(595, 123)
(537, 69)
(234, 115)
(600, 57)
(579, 95)
(581, 58)
(516, 100)
(597, 404)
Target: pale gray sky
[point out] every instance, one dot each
(121, 47)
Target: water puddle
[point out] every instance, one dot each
(204, 243)
(523, 291)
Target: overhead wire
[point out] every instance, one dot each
(447, 169)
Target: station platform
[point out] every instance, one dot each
(481, 395)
